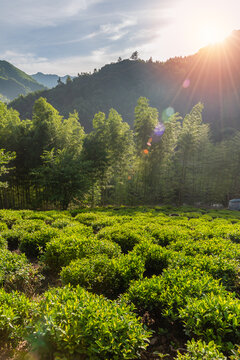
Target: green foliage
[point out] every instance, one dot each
(33, 244)
(94, 220)
(102, 275)
(5, 158)
(165, 234)
(15, 313)
(214, 317)
(76, 324)
(227, 270)
(189, 286)
(156, 258)
(14, 82)
(17, 274)
(124, 236)
(165, 295)
(199, 350)
(62, 250)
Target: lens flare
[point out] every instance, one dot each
(186, 83)
(167, 113)
(159, 129)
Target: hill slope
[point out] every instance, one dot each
(48, 80)
(14, 82)
(211, 76)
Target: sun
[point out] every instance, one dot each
(211, 34)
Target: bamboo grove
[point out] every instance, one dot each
(50, 162)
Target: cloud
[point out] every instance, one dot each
(35, 13)
(21, 58)
(71, 36)
(114, 31)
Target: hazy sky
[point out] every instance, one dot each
(71, 36)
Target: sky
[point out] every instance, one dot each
(73, 36)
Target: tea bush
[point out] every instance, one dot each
(215, 246)
(16, 310)
(199, 350)
(76, 324)
(213, 317)
(125, 236)
(95, 220)
(165, 295)
(20, 229)
(165, 234)
(178, 266)
(102, 275)
(3, 226)
(227, 270)
(75, 228)
(156, 258)
(3, 242)
(17, 274)
(33, 244)
(9, 217)
(61, 251)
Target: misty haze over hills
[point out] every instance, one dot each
(49, 80)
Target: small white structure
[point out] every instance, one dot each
(234, 204)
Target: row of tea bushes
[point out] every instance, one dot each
(110, 277)
(180, 267)
(204, 307)
(72, 324)
(62, 250)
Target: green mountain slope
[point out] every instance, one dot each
(211, 76)
(14, 82)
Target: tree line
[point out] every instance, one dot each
(50, 161)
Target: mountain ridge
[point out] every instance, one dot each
(211, 76)
(49, 80)
(14, 81)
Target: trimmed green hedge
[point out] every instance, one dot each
(61, 251)
(199, 350)
(76, 324)
(102, 275)
(16, 310)
(165, 295)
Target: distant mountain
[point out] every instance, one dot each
(211, 76)
(49, 80)
(14, 82)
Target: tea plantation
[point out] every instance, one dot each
(120, 283)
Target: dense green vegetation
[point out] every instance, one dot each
(120, 283)
(56, 164)
(211, 76)
(14, 82)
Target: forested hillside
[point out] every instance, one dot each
(14, 82)
(211, 76)
(170, 161)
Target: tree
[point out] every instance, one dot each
(61, 177)
(46, 129)
(134, 56)
(190, 156)
(59, 81)
(68, 80)
(146, 119)
(5, 158)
